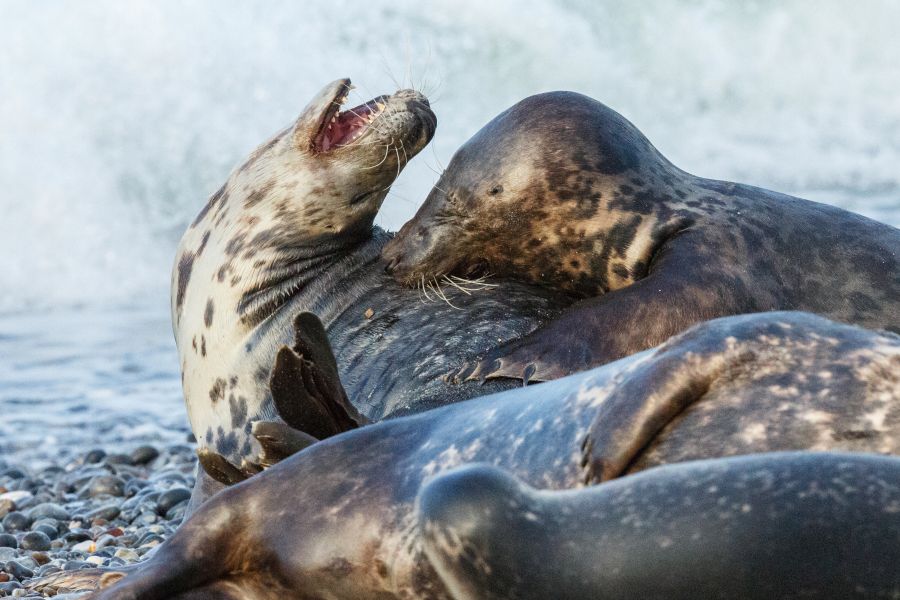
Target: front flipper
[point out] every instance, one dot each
(306, 386)
(540, 356)
(218, 467)
(650, 395)
(279, 441)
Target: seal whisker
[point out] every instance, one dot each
(442, 295)
(424, 291)
(457, 286)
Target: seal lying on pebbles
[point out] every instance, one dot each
(563, 191)
(347, 527)
(292, 230)
(783, 525)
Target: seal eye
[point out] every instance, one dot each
(360, 198)
(496, 190)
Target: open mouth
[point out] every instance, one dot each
(342, 128)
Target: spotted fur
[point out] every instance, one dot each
(561, 190)
(346, 525)
(254, 246)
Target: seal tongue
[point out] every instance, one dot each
(347, 126)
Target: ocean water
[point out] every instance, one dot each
(118, 119)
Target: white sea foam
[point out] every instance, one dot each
(118, 119)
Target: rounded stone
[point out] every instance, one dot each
(48, 510)
(6, 506)
(16, 521)
(108, 512)
(12, 473)
(48, 530)
(172, 498)
(36, 541)
(144, 454)
(8, 541)
(109, 485)
(94, 456)
(18, 570)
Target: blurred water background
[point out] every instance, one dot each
(118, 119)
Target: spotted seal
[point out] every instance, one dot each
(561, 190)
(782, 525)
(292, 230)
(346, 526)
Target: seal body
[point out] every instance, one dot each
(291, 231)
(337, 519)
(782, 525)
(563, 191)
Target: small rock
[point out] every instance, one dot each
(4, 577)
(127, 554)
(171, 498)
(118, 459)
(48, 510)
(75, 565)
(16, 521)
(18, 570)
(77, 535)
(8, 554)
(8, 588)
(16, 496)
(109, 485)
(35, 540)
(8, 541)
(12, 473)
(6, 507)
(96, 560)
(40, 558)
(108, 513)
(105, 540)
(50, 532)
(94, 456)
(85, 546)
(143, 455)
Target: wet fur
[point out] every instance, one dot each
(563, 191)
(337, 519)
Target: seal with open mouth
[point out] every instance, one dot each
(292, 231)
(563, 191)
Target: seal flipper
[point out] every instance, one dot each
(652, 393)
(279, 441)
(306, 387)
(218, 467)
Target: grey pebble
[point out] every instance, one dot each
(48, 510)
(8, 541)
(108, 485)
(172, 498)
(16, 521)
(37, 541)
(17, 570)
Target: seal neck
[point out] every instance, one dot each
(311, 277)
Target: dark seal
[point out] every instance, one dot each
(337, 519)
(782, 525)
(561, 190)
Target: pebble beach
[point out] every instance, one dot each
(93, 509)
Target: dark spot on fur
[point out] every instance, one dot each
(219, 197)
(262, 374)
(258, 195)
(232, 382)
(238, 409)
(202, 345)
(209, 435)
(621, 271)
(217, 392)
(226, 444)
(208, 313)
(185, 265)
